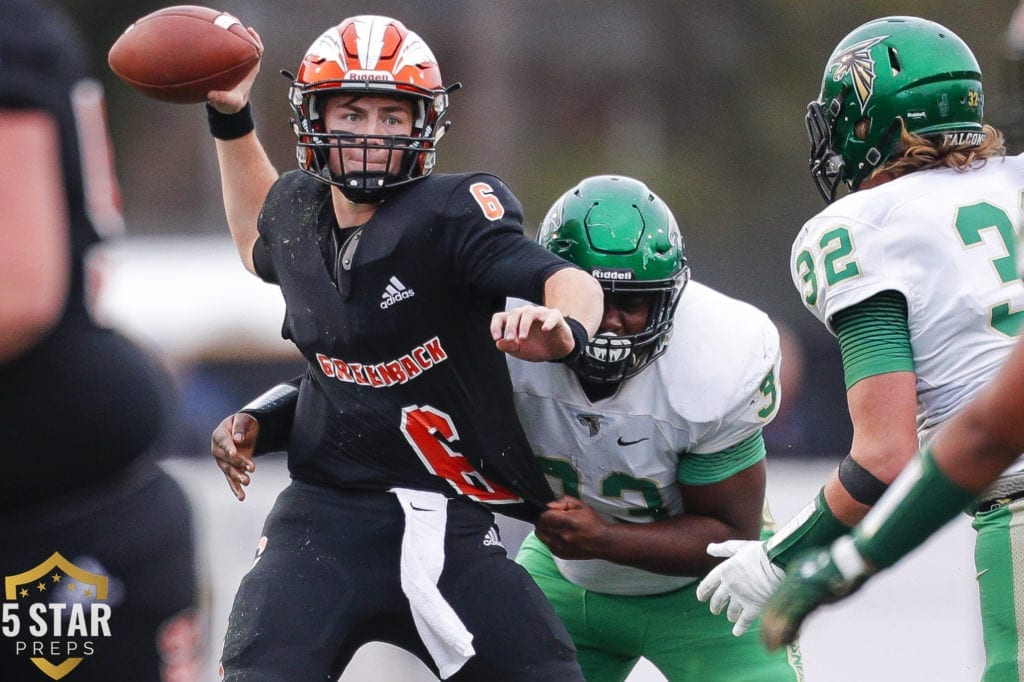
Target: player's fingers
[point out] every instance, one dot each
(510, 347)
(525, 323)
(226, 454)
(237, 489)
(724, 549)
(735, 611)
(562, 503)
(240, 476)
(743, 623)
(719, 600)
(234, 479)
(498, 325)
(222, 446)
(255, 36)
(551, 521)
(708, 585)
(513, 322)
(551, 319)
(572, 503)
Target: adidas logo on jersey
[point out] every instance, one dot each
(395, 292)
(492, 539)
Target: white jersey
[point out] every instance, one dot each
(944, 239)
(714, 386)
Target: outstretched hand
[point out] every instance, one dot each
(533, 333)
(744, 581)
(813, 580)
(232, 445)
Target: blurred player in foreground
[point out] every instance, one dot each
(80, 405)
(969, 453)
(404, 437)
(655, 439)
(914, 272)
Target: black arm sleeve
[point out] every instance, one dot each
(490, 252)
(275, 412)
(262, 262)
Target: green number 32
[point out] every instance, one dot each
(970, 222)
(836, 259)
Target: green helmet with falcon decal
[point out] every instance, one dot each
(623, 234)
(887, 75)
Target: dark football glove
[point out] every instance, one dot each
(819, 577)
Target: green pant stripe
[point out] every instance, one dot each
(999, 560)
(1016, 510)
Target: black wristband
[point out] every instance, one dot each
(579, 337)
(230, 126)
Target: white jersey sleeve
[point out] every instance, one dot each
(715, 386)
(946, 240)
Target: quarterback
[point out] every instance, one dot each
(914, 272)
(654, 437)
(400, 442)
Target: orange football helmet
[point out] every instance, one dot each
(369, 55)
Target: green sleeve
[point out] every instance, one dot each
(919, 502)
(705, 469)
(874, 337)
(814, 527)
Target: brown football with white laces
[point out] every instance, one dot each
(178, 54)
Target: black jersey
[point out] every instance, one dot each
(84, 401)
(405, 386)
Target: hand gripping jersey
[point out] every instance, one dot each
(714, 386)
(947, 241)
(404, 385)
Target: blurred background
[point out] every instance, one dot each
(704, 100)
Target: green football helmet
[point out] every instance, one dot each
(891, 72)
(624, 235)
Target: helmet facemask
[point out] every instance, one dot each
(826, 164)
(611, 358)
(828, 167)
(357, 183)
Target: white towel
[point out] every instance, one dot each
(449, 642)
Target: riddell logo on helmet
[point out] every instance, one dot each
(604, 273)
(370, 76)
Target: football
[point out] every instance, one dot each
(178, 54)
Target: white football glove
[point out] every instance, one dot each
(744, 581)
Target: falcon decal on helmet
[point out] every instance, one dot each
(887, 76)
(857, 62)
